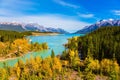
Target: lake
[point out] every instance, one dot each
(55, 42)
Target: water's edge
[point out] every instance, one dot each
(55, 42)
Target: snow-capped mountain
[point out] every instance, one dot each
(59, 30)
(11, 26)
(28, 27)
(34, 27)
(101, 23)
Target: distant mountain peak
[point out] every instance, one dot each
(101, 23)
(111, 19)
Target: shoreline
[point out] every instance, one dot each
(2, 59)
(44, 34)
(5, 59)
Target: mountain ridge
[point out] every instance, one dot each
(97, 25)
(21, 27)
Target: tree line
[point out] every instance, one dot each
(12, 35)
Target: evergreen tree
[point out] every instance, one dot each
(52, 54)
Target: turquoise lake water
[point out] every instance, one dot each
(55, 42)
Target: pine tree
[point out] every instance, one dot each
(52, 54)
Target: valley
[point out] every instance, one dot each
(59, 39)
(82, 56)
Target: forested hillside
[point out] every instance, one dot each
(102, 43)
(99, 52)
(12, 35)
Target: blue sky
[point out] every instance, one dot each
(70, 15)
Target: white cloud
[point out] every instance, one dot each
(70, 25)
(11, 10)
(116, 12)
(63, 3)
(86, 15)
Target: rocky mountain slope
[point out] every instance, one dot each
(101, 23)
(28, 27)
